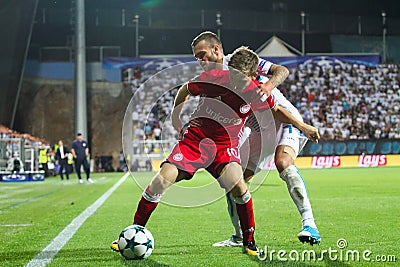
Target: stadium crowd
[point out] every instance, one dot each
(347, 101)
(343, 100)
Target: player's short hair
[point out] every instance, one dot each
(243, 66)
(244, 60)
(208, 36)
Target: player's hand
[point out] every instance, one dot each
(311, 133)
(266, 88)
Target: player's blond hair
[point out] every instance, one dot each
(245, 61)
(209, 37)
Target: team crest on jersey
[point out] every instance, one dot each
(178, 157)
(244, 108)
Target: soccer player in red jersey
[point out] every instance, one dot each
(290, 138)
(214, 145)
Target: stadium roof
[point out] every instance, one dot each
(275, 47)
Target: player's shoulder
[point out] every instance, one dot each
(213, 75)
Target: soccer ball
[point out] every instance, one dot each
(135, 242)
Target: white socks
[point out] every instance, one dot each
(149, 196)
(233, 214)
(298, 192)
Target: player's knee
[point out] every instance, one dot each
(282, 163)
(231, 177)
(284, 157)
(160, 184)
(168, 172)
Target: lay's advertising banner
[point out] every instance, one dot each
(362, 161)
(327, 162)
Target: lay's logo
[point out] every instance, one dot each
(320, 162)
(372, 160)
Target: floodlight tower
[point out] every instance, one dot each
(384, 32)
(303, 33)
(218, 21)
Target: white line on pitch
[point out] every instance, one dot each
(49, 252)
(16, 225)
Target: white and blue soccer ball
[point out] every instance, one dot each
(135, 242)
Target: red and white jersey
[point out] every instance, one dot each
(222, 111)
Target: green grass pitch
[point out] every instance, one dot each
(361, 206)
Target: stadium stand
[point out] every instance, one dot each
(345, 101)
(348, 101)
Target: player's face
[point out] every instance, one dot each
(207, 55)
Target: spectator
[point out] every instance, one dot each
(80, 151)
(43, 160)
(62, 159)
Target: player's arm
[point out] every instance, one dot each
(285, 116)
(278, 75)
(181, 97)
(73, 153)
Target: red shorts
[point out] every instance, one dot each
(191, 156)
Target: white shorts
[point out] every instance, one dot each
(288, 135)
(259, 148)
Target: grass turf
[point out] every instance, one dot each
(359, 205)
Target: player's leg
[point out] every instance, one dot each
(243, 203)
(65, 165)
(60, 170)
(286, 152)
(78, 164)
(152, 194)
(249, 154)
(237, 238)
(86, 167)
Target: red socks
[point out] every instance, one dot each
(143, 211)
(244, 208)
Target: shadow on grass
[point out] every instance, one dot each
(147, 262)
(269, 185)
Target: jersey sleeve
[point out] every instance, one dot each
(264, 66)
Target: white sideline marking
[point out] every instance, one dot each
(49, 252)
(16, 225)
